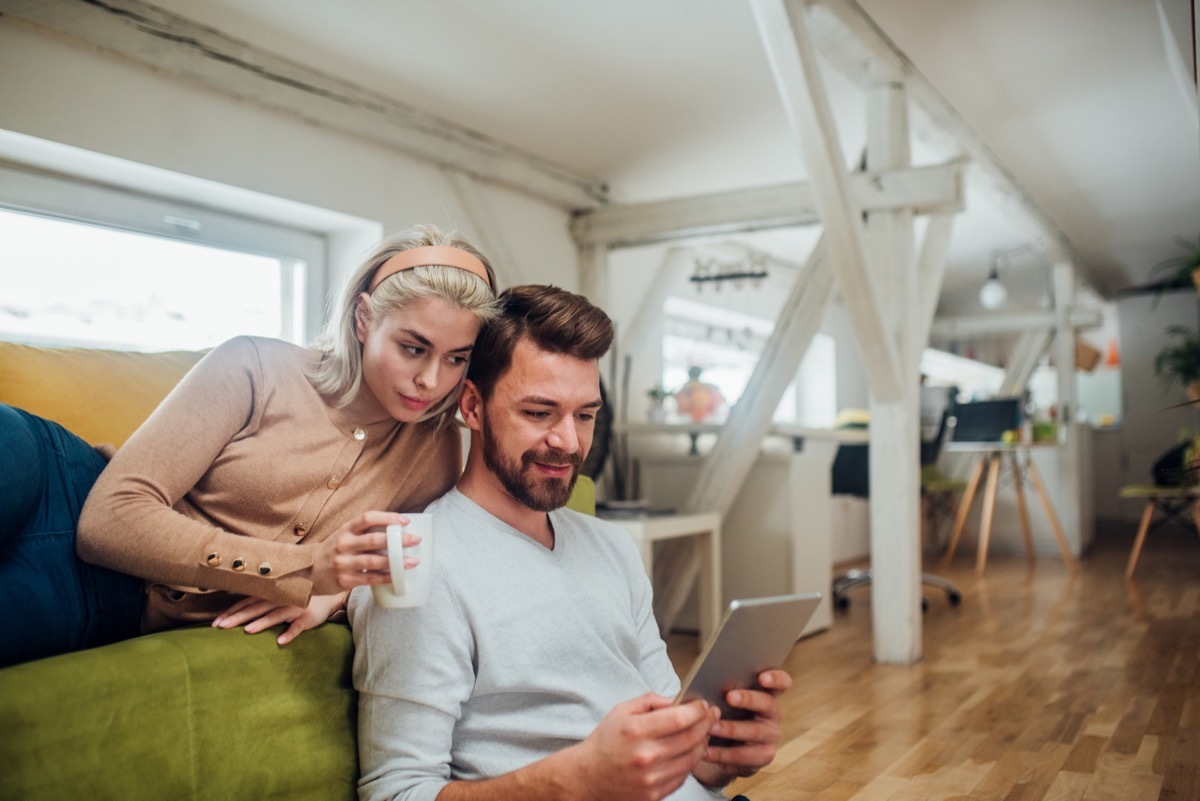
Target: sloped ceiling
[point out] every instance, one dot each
(1076, 98)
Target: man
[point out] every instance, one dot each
(535, 670)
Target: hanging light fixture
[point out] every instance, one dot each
(714, 272)
(993, 294)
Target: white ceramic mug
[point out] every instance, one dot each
(408, 587)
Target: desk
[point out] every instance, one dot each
(796, 433)
(992, 456)
(650, 529)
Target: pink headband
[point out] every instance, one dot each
(430, 256)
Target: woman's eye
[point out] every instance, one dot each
(413, 350)
(457, 361)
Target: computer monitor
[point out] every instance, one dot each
(986, 421)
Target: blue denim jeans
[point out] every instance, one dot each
(51, 601)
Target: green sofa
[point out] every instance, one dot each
(188, 714)
(194, 713)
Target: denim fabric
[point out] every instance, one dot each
(52, 601)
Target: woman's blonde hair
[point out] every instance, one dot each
(338, 373)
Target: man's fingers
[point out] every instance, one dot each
(745, 759)
(674, 719)
(760, 702)
(776, 682)
(688, 743)
(643, 703)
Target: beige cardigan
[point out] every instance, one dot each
(242, 469)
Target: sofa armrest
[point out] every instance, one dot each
(193, 713)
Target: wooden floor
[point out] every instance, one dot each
(1041, 685)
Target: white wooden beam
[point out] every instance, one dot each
(1030, 346)
(1180, 26)
(178, 47)
(844, 41)
(1008, 322)
(885, 60)
(782, 27)
(894, 431)
(926, 190)
(931, 269)
(593, 273)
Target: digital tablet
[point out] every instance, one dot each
(756, 634)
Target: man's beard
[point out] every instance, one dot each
(539, 494)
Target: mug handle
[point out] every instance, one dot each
(395, 553)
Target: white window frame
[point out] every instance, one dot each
(50, 194)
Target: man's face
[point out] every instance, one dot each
(538, 425)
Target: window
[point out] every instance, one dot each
(92, 266)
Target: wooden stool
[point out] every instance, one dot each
(1173, 501)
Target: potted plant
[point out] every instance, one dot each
(1180, 361)
(1180, 271)
(658, 396)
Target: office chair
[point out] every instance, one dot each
(850, 475)
(939, 493)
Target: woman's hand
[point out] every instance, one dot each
(256, 615)
(356, 554)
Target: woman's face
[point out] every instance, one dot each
(412, 357)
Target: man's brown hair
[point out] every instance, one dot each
(553, 319)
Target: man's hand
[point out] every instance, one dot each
(257, 615)
(756, 738)
(642, 750)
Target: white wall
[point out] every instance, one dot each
(76, 96)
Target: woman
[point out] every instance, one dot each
(258, 491)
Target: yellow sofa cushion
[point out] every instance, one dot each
(101, 395)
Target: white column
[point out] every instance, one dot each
(1068, 418)
(895, 430)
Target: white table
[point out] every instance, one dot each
(649, 529)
